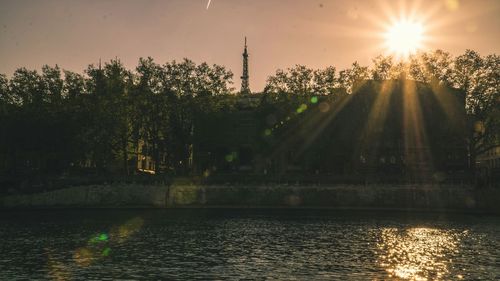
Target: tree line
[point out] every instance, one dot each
(57, 122)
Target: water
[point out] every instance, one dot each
(247, 244)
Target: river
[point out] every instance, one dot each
(252, 244)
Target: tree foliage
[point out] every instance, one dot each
(57, 121)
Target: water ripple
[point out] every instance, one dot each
(236, 245)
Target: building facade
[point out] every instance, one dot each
(385, 129)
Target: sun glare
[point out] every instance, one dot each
(404, 37)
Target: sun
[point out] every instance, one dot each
(404, 37)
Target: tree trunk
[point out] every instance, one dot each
(125, 157)
(472, 159)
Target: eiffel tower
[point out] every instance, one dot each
(245, 87)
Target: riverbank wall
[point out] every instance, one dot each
(185, 195)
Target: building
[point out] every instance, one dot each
(384, 129)
(488, 162)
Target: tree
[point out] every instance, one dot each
(76, 109)
(119, 81)
(73, 86)
(303, 81)
(297, 80)
(27, 121)
(186, 86)
(382, 66)
(5, 114)
(52, 84)
(100, 119)
(26, 87)
(4, 92)
(348, 78)
(437, 65)
(215, 80)
(479, 78)
(150, 110)
(325, 81)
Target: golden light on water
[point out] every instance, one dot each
(417, 253)
(404, 37)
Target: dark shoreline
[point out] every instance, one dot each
(399, 198)
(259, 208)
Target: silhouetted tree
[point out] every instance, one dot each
(186, 84)
(151, 110)
(348, 78)
(479, 78)
(325, 81)
(300, 80)
(297, 80)
(5, 98)
(382, 67)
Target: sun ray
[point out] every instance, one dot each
(372, 133)
(417, 149)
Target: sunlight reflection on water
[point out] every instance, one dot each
(418, 253)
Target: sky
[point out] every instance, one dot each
(281, 33)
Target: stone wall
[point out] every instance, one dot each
(189, 195)
(342, 196)
(93, 196)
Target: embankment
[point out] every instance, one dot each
(421, 197)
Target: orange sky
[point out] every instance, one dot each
(281, 33)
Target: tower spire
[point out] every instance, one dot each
(245, 87)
